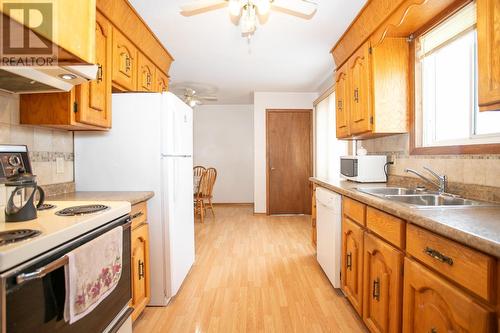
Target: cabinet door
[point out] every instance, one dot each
(352, 263)
(488, 34)
(140, 270)
(145, 74)
(94, 98)
(342, 102)
(383, 286)
(432, 304)
(161, 81)
(124, 62)
(360, 94)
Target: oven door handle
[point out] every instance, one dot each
(41, 272)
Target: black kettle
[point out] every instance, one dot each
(21, 204)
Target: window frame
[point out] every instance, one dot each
(458, 149)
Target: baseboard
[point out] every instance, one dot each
(247, 204)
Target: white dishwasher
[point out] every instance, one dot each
(329, 233)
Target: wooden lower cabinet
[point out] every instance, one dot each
(352, 263)
(314, 215)
(431, 304)
(383, 283)
(140, 269)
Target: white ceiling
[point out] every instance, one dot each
(287, 54)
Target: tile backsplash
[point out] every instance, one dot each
(46, 146)
(481, 170)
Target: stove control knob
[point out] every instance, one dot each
(14, 161)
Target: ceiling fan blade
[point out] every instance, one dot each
(298, 8)
(207, 98)
(201, 6)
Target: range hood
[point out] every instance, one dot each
(46, 79)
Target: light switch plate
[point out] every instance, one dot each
(59, 165)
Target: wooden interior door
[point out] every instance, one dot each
(383, 283)
(94, 97)
(342, 103)
(352, 263)
(360, 108)
(289, 161)
(432, 304)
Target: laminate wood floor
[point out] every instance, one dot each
(253, 274)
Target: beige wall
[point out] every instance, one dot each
(469, 169)
(45, 145)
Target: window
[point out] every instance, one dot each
(327, 148)
(446, 108)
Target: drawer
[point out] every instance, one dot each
(354, 210)
(467, 267)
(389, 227)
(139, 214)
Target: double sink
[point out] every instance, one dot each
(422, 199)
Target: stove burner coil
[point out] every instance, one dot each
(81, 210)
(14, 236)
(45, 207)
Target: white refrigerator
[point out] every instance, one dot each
(149, 148)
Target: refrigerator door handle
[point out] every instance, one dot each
(173, 155)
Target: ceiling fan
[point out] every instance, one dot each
(247, 12)
(191, 97)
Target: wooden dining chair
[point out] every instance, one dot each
(199, 205)
(198, 171)
(205, 193)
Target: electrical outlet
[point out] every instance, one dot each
(59, 165)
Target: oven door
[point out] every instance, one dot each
(349, 167)
(37, 305)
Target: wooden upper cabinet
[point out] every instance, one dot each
(488, 34)
(140, 270)
(124, 62)
(342, 102)
(352, 263)
(146, 74)
(432, 304)
(383, 286)
(376, 89)
(94, 98)
(359, 91)
(161, 81)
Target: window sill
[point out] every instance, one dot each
(475, 149)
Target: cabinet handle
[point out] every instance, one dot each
(149, 79)
(141, 270)
(127, 63)
(376, 289)
(340, 105)
(356, 95)
(349, 261)
(433, 330)
(99, 73)
(136, 215)
(438, 256)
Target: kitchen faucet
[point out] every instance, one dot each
(442, 182)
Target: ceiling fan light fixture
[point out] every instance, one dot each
(235, 7)
(248, 20)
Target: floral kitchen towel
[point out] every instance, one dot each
(92, 273)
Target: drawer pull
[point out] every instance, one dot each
(349, 261)
(438, 256)
(137, 215)
(141, 269)
(376, 290)
(433, 330)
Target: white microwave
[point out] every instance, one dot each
(364, 169)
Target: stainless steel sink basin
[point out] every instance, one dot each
(434, 200)
(384, 191)
(422, 199)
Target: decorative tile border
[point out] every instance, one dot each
(48, 156)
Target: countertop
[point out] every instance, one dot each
(134, 197)
(477, 227)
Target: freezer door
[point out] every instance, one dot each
(177, 126)
(178, 207)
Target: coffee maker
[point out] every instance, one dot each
(21, 189)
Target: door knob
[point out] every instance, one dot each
(272, 169)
